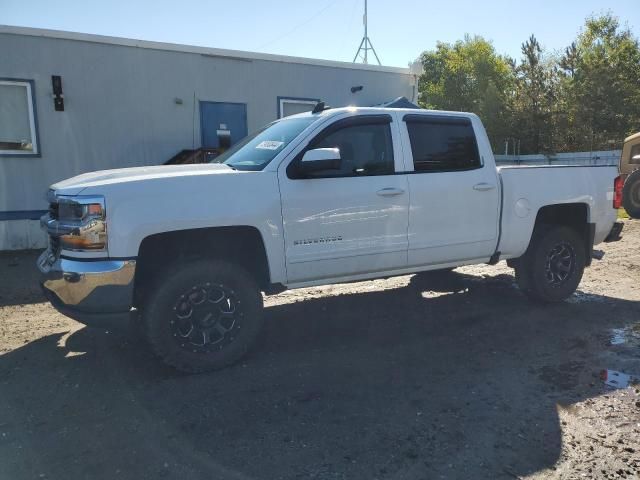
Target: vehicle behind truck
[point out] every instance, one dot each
(340, 195)
(630, 169)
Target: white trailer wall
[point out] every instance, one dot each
(130, 103)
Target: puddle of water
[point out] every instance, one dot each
(583, 297)
(615, 379)
(433, 294)
(618, 336)
(621, 336)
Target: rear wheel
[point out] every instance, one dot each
(203, 315)
(631, 195)
(552, 267)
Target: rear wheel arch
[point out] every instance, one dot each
(573, 215)
(569, 214)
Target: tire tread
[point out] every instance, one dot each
(528, 275)
(631, 181)
(152, 316)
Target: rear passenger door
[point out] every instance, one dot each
(454, 197)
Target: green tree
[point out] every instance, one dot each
(600, 85)
(569, 61)
(469, 76)
(534, 99)
(581, 100)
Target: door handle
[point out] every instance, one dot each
(390, 192)
(483, 187)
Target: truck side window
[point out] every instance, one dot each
(634, 157)
(365, 149)
(442, 144)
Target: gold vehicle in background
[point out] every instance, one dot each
(630, 168)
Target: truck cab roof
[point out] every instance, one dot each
(635, 136)
(381, 110)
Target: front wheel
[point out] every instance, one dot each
(631, 195)
(203, 315)
(552, 267)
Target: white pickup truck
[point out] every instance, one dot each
(336, 195)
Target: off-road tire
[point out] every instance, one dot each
(551, 269)
(631, 195)
(176, 293)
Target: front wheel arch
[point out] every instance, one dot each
(158, 253)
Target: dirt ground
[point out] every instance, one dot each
(449, 377)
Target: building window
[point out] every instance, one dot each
(291, 105)
(18, 134)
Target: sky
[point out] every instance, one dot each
(329, 29)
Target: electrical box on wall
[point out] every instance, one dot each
(58, 97)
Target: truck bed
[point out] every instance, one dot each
(526, 188)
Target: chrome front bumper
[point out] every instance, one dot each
(96, 288)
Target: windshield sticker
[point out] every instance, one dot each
(269, 145)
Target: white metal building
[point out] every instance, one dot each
(72, 103)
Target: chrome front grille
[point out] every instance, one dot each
(53, 210)
(54, 244)
(53, 214)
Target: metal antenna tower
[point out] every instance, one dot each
(365, 44)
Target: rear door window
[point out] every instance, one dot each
(442, 144)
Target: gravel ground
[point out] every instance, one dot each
(455, 376)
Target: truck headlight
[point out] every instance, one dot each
(82, 224)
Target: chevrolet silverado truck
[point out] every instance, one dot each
(336, 195)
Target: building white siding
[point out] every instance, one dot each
(131, 103)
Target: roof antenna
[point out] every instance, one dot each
(365, 44)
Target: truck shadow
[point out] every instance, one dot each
(464, 383)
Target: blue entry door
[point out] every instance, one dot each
(219, 120)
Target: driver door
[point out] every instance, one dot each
(352, 221)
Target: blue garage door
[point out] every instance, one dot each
(219, 120)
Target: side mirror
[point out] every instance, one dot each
(320, 159)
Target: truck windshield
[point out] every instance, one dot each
(258, 149)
